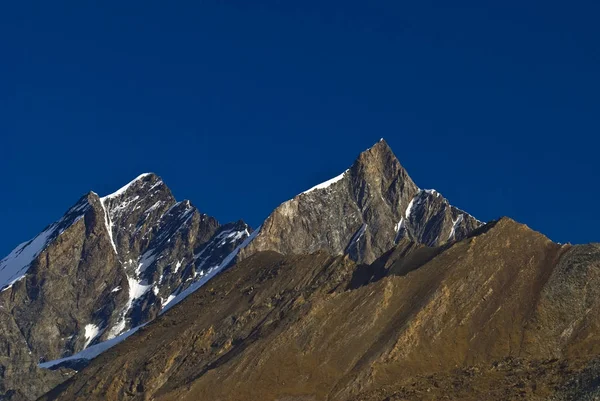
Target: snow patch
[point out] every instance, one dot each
(432, 192)
(167, 301)
(455, 225)
(409, 207)
(11, 284)
(108, 224)
(213, 271)
(419, 198)
(93, 351)
(327, 183)
(400, 225)
(91, 332)
(399, 229)
(14, 266)
(124, 188)
(136, 291)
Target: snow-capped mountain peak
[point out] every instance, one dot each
(113, 262)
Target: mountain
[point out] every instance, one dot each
(504, 313)
(110, 264)
(363, 212)
(364, 287)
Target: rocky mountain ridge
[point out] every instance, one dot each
(107, 266)
(363, 212)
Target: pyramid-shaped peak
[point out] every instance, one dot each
(379, 161)
(379, 152)
(380, 145)
(145, 181)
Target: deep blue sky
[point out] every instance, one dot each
(239, 107)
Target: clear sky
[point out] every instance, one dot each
(240, 105)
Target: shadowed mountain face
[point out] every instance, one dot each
(318, 327)
(108, 265)
(362, 213)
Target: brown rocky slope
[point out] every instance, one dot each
(317, 327)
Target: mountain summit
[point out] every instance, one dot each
(110, 264)
(362, 213)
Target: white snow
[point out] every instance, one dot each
(11, 284)
(231, 235)
(116, 209)
(213, 271)
(432, 192)
(327, 183)
(91, 332)
(93, 351)
(409, 207)
(168, 300)
(15, 265)
(108, 224)
(136, 290)
(116, 289)
(400, 225)
(455, 225)
(419, 199)
(177, 266)
(124, 205)
(124, 188)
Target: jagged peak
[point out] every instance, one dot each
(379, 159)
(145, 177)
(380, 146)
(380, 152)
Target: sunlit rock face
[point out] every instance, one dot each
(362, 212)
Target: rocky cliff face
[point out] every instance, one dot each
(317, 327)
(362, 213)
(108, 265)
